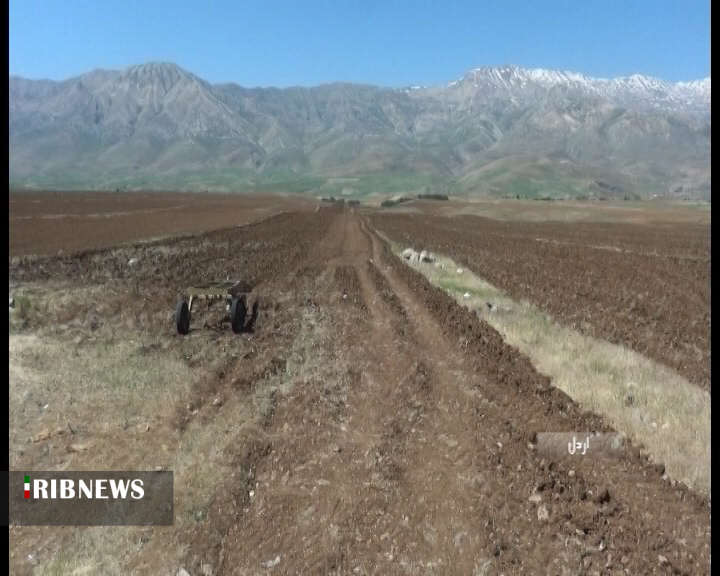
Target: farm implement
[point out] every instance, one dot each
(233, 293)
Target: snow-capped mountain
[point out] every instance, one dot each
(636, 91)
(493, 131)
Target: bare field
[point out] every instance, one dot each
(368, 424)
(650, 403)
(646, 287)
(564, 211)
(47, 222)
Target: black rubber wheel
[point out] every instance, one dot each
(182, 318)
(238, 311)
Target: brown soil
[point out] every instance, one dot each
(641, 212)
(644, 287)
(48, 222)
(407, 444)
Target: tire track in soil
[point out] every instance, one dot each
(306, 285)
(642, 506)
(441, 502)
(653, 306)
(310, 285)
(247, 361)
(405, 446)
(365, 446)
(249, 376)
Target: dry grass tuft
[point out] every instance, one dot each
(127, 399)
(653, 405)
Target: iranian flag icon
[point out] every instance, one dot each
(27, 486)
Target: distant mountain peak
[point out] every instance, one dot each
(156, 65)
(152, 120)
(557, 75)
(636, 91)
(155, 69)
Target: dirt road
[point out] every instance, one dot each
(427, 464)
(403, 439)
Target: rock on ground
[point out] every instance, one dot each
(410, 254)
(425, 256)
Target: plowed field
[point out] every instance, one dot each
(644, 287)
(397, 430)
(46, 222)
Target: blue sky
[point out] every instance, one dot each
(386, 42)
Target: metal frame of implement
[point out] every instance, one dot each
(230, 291)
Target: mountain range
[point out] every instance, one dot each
(496, 131)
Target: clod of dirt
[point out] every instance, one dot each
(275, 366)
(44, 435)
(602, 496)
(272, 563)
(543, 514)
(535, 498)
(242, 383)
(420, 376)
(182, 572)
